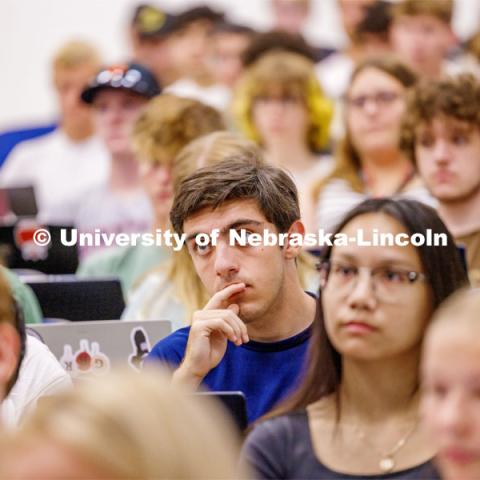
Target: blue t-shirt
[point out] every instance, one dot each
(264, 372)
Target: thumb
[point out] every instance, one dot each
(234, 308)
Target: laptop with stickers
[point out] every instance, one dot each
(93, 347)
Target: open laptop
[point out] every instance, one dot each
(71, 298)
(93, 347)
(235, 404)
(18, 249)
(17, 202)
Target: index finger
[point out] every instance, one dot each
(219, 299)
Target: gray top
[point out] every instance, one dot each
(282, 448)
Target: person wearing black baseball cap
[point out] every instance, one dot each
(117, 94)
(133, 77)
(150, 32)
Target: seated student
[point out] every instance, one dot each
(29, 370)
(356, 413)
(422, 36)
(117, 94)
(279, 104)
(368, 160)
(253, 333)
(124, 425)
(451, 383)
(167, 124)
(70, 160)
(173, 291)
(24, 296)
(441, 134)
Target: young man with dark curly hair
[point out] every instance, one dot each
(441, 133)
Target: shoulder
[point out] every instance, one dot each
(282, 428)
(104, 262)
(40, 375)
(271, 444)
(171, 349)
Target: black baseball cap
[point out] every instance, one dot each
(150, 21)
(132, 76)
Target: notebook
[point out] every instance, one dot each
(93, 347)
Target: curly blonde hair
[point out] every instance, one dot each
(294, 75)
(168, 123)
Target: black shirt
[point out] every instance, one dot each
(282, 448)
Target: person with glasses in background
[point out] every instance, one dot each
(356, 414)
(368, 160)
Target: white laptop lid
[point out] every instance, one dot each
(93, 347)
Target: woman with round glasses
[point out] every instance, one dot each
(356, 414)
(368, 160)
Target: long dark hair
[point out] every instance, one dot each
(441, 264)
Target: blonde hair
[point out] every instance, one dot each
(205, 151)
(459, 312)
(76, 53)
(168, 123)
(441, 9)
(135, 425)
(295, 75)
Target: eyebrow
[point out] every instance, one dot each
(386, 262)
(242, 222)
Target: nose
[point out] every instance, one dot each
(441, 151)
(163, 174)
(362, 295)
(226, 261)
(371, 106)
(453, 415)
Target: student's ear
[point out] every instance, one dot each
(293, 245)
(9, 354)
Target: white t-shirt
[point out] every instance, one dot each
(40, 375)
(60, 170)
(112, 212)
(216, 96)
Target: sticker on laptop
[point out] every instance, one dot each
(140, 346)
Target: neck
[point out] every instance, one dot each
(461, 217)
(294, 156)
(77, 131)
(124, 173)
(293, 311)
(372, 390)
(385, 171)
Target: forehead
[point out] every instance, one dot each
(117, 95)
(378, 224)
(226, 214)
(373, 77)
(444, 123)
(79, 73)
